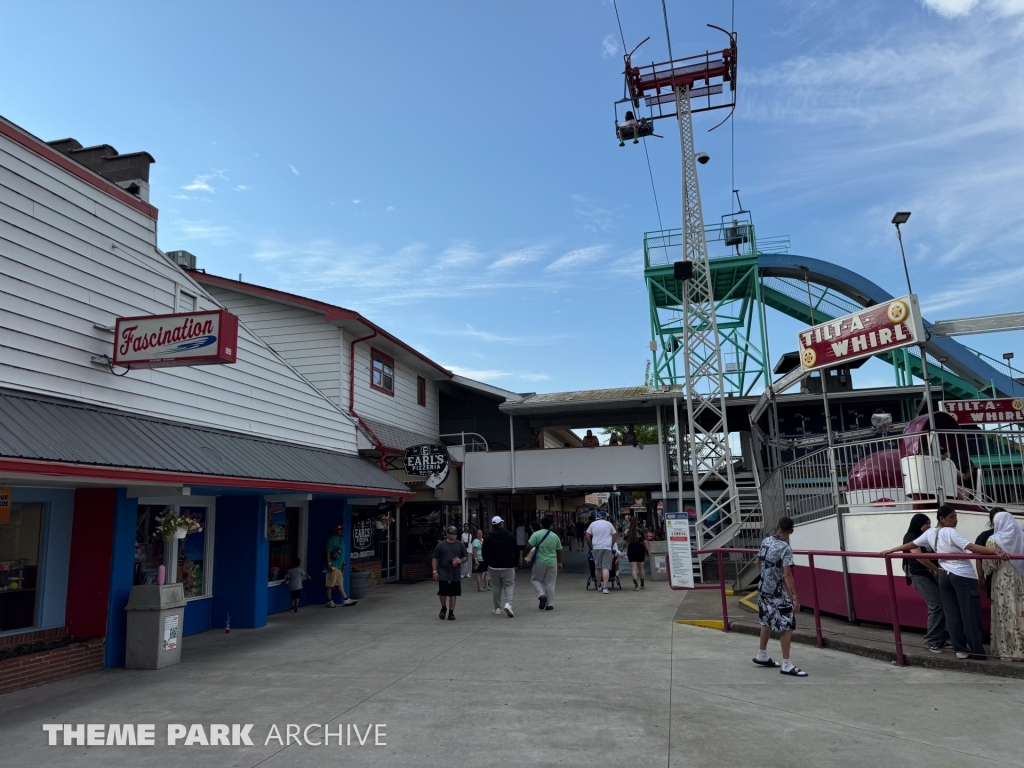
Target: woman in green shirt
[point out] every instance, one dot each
(547, 562)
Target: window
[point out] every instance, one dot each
(284, 536)
(194, 551)
(20, 536)
(421, 391)
(192, 556)
(382, 375)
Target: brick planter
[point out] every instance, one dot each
(46, 666)
(416, 571)
(371, 566)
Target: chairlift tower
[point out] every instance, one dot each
(691, 85)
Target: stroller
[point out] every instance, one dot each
(613, 572)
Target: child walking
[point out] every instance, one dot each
(295, 578)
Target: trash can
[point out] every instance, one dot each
(156, 614)
(659, 560)
(357, 582)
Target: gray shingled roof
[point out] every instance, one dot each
(49, 429)
(396, 437)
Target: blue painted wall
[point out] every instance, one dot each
(279, 598)
(198, 616)
(324, 514)
(241, 557)
(122, 566)
(54, 551)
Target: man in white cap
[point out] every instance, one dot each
(501, 553)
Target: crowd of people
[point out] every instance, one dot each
(495, 557)
(951, 588)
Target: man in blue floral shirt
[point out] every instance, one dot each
(777, 602)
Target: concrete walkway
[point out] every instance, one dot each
(600, 681)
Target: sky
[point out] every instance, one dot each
(449, 169)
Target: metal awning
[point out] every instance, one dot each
(42, 435)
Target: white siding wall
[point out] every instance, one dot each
(71, 256)
(320, 351)
(309, 344)
(402, 409)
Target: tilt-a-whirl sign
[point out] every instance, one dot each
(881, 328)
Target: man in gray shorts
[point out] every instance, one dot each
(601, 538)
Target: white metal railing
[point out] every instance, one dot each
(473, 442)
(976, 468)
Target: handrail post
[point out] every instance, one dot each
(721, 582)
(895, 613)
(817, 608)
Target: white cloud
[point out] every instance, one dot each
(577, 258)
(294, 169)
(519, 341)
(518, 258)
(204, 231)
(241, 188)
(490, 374)
(995, 283)
(951, 8)
(609, 47)
(458, 255)
(356, 202)
(594, 218)
(201, 183)
(389, 209)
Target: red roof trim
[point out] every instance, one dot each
(44, 150)
(331, 312)
(59, 469)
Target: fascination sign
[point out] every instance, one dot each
(190, 338)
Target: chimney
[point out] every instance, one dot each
(129, 171)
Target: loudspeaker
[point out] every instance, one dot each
(683, 270)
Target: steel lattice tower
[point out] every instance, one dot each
(710, 456)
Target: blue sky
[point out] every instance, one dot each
(449, 168)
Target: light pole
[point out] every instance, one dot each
(1008, 356)
(901, 217)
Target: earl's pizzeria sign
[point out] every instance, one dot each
(881, 328)
(191, 338)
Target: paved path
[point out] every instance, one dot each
(588, 684)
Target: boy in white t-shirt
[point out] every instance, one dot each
(958, 582)
(295, 578)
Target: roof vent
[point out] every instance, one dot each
(183, 259)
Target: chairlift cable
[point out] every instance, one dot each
(664, 12)
(615, 5)
(655, 191)
(732, 125)
(647, 154)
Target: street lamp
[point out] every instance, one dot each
(1008, 356)
(901, 217)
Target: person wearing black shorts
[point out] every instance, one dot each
(636, 553)
(447, 560)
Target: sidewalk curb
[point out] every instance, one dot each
(1014, 671)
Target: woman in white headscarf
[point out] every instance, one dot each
(1007, 588)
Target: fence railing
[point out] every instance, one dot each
(966, 468)
(816, 603)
